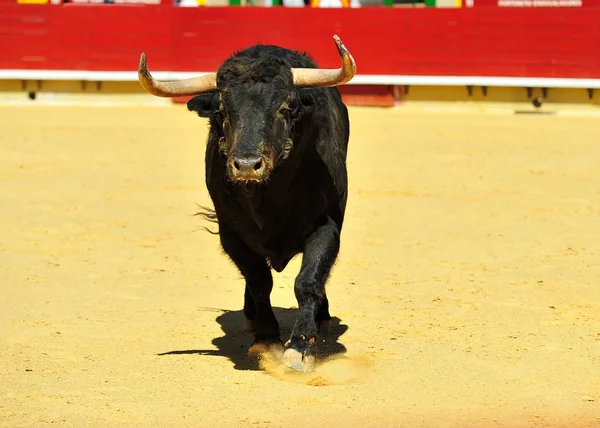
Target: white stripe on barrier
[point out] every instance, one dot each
(359, 79)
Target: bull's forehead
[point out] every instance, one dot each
(244, 70)
(258, 98)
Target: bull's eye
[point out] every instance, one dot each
(222, 145)
(220, 114)
(284, 110)
(287, 148)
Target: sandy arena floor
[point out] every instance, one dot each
(466, 292)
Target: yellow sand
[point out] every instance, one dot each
(466, 292)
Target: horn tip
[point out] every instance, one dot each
(143, 62)
(342, 49)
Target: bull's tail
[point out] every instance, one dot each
(209, 215)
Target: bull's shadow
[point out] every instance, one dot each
(236, 341)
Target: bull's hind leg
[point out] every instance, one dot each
(320, 252)
(259, 282)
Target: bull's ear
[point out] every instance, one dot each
(202, 104)
(305, 104)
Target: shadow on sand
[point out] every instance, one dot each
(235, 341)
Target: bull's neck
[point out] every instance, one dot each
(252, 197)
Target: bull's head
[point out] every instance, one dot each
(253, 104)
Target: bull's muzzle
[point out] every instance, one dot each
(248, 168)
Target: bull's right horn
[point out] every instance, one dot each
(177, 88)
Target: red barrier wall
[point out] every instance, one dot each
(512, 42)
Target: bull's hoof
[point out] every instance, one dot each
(295, 360)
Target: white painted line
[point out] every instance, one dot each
(105, 76)
(536, 82)
(360, 79)
(80, 103)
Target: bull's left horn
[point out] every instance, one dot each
(318, 78)
(177, 88)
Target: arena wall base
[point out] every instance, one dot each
(398, 95)
(354, 95)
(358, 95)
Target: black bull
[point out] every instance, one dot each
(276, 173)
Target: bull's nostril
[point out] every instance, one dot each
(236, 165)
(258, 165)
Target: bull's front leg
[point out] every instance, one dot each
(260, 318)
(320, 252)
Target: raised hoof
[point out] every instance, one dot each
(295, 360)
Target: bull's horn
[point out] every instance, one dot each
(193, 86)
(317, 77)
